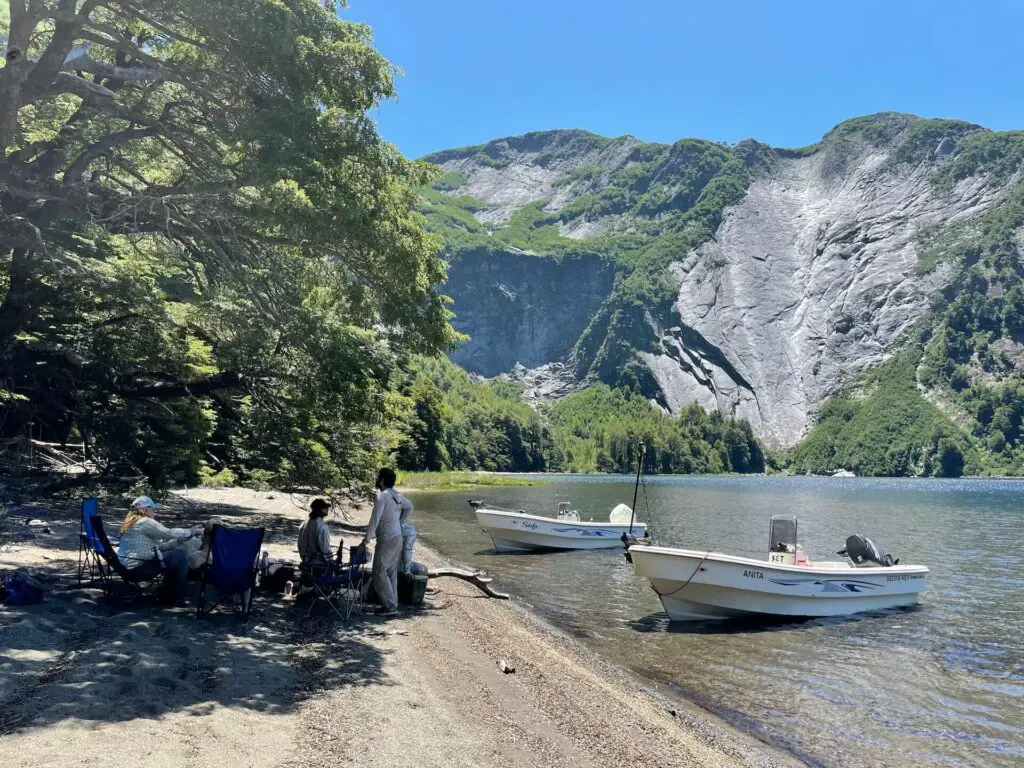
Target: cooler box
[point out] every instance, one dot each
(411, 588)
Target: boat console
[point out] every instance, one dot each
(782, 545)
(567, 513)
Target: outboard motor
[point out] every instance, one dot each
(864, 552)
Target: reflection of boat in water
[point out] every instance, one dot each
(522, 532)
(695, 585)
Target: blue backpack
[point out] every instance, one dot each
(18, 588)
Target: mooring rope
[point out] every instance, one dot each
(669, 594)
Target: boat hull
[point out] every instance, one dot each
(515, 532)
(696, 585)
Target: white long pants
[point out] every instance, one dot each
(385, 570)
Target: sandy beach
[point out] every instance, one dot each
(87, 684)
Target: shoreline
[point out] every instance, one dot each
(684, 712)
(80, 679)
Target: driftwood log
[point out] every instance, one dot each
(476, 578)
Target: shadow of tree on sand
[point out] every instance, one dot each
(71, 657)
(75, 656)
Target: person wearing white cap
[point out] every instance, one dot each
(141, 535)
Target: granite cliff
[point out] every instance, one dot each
(753, 280)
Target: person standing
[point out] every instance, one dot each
(389, 512)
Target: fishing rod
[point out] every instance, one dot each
(636, 488)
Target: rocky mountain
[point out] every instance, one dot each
(754, 280)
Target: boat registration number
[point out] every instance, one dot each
(904, 576)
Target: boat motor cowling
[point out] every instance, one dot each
(864, 552)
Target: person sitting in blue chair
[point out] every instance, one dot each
(141, 535)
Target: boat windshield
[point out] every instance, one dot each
(782, 537)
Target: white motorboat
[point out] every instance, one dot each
(695, 585)
(522, 532)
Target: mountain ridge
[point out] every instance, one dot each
(754, 280)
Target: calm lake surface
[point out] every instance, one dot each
(940, 684)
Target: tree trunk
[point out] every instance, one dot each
(475, 578)
(16, 306)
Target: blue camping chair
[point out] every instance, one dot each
(89, 545)
(114, 565)
(340, 582)
(231, 568)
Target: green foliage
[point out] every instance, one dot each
(460, 481)
(450, 181)
(599, 429)
(892, 431)
(922, 137)
(452, 217)
(996, 155)
(620, 328)
(457, 423)
(972, 353)
(532, 229)
(490, 161)
(584, 174)
(211, 479)
(209, 258)
(875, 130)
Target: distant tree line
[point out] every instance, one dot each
(456, 423)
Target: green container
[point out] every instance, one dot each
(411, 588)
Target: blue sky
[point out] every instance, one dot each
(781, 72)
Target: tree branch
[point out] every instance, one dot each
(66, 28)
(159, 27)
(67, 82)
(25, 17)
(114, 72)
(172, 387)
(103, 146)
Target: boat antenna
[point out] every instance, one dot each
(636, 488)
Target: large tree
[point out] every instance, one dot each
(207, 253)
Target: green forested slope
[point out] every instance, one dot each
(456, 423)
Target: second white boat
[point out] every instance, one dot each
(521, 532)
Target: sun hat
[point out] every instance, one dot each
(144, 502)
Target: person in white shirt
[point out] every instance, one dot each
(315, 538)
(389, 512)
(141, 535)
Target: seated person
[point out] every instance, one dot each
(199, 548)
(315, 538)
(141, 534)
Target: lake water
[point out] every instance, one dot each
(940, 684)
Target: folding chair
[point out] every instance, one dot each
(107, 552)
(231, 568)
(343, 583)
(89, 559)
